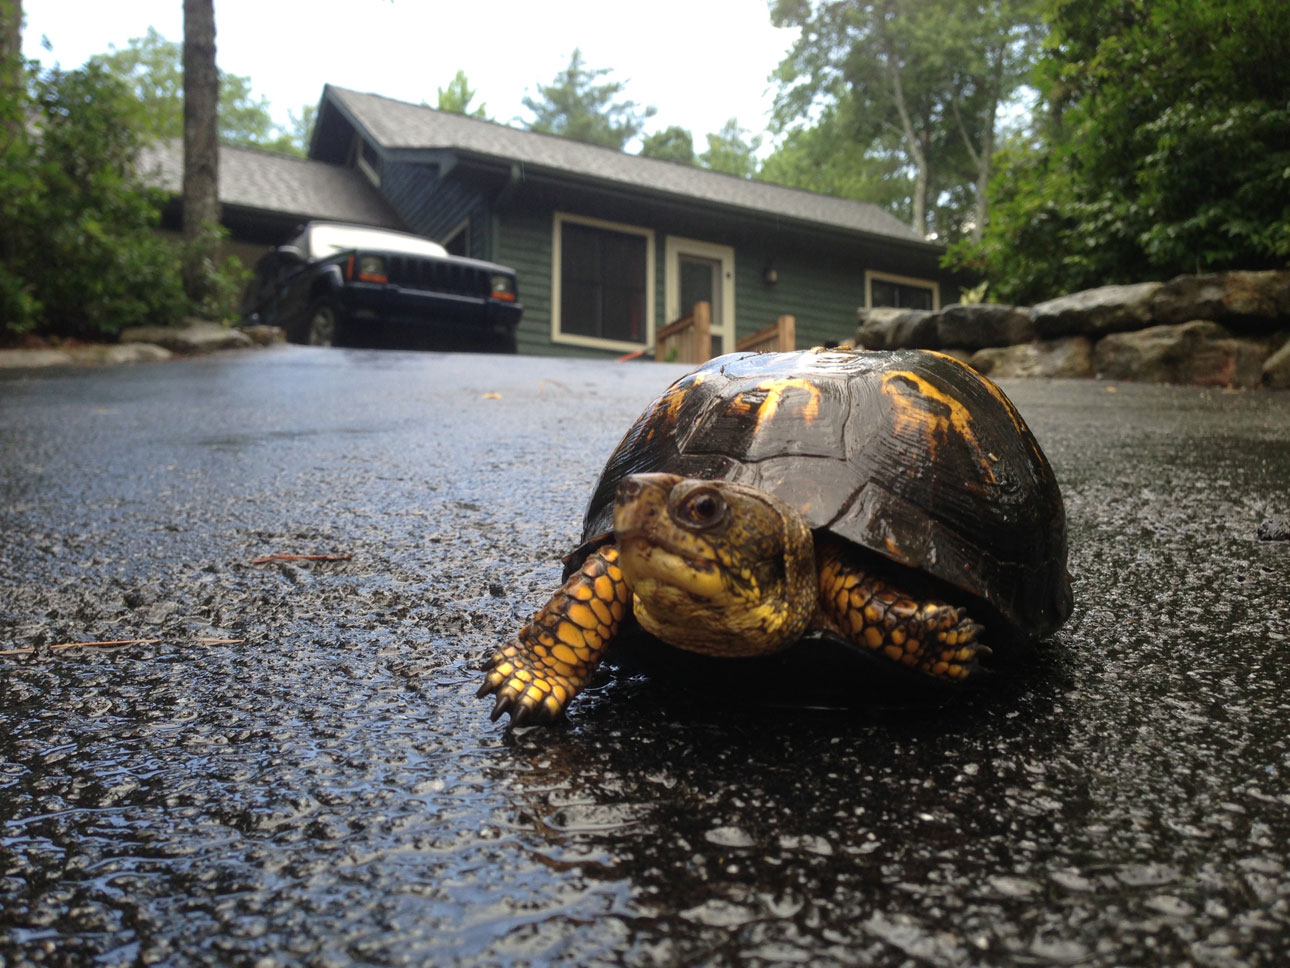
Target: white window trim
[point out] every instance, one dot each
(870, 275)
(677, 245)
(556, 256)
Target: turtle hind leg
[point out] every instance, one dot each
(537, 673)
(924, 634)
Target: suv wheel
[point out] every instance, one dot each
(322, 325)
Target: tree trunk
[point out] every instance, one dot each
(11, 79)
(201, 147)
(913, 147)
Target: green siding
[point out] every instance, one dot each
(822, 294)
(821, 279)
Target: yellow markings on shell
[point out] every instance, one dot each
(582, 592)
(873, 636)
(774, 391)
(911, 419)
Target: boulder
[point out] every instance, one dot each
(188, 336)
(1200, 352)
(1246, 298)
(19, 359)
(1276, 369)
(120, 353)
(1069, 357)
(884, 328)
(975, 326)
(263, 335)
(1095, 312)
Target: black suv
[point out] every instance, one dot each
(348, 284)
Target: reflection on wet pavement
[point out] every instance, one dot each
(326, 790)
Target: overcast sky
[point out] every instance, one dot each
(699, 62)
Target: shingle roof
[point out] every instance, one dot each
(273, 182)
(399, 125)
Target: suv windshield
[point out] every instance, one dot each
(325, 240)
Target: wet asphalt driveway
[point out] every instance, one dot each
(326, 790)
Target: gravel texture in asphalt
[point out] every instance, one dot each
(296, 770)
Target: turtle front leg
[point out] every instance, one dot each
(927, 635)
(537, 673)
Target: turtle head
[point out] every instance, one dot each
(714, 566)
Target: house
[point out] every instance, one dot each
(265, 195)
(609, 246)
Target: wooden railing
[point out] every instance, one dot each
(688, 340)
(779, 337)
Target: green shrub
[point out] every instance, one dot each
(79, 254)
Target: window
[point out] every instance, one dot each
(603, 283)
(901, 292)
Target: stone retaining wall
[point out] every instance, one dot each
(1229, 329)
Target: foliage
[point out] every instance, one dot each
(456, 98)
(79, 256)
(152, 67)
(574, 106)
(732, 150)
(826, 157)
(670, 144)
(1164, 148)
(914, 85)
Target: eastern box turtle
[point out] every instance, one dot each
(892, 501)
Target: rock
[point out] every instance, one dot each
(1244, 297)
(883, 328)
(1275, 528)
(18, 359)
(1095, 312)
(975, 326)
(1200, 352)
(262, 335)
(1069, 357)
(1276, 369)
(189, 336)
(120, 353)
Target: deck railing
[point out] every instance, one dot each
(779, 337)
(688, 340)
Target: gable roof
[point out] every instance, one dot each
(283, 184)
(397, 125)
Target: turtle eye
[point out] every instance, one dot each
(702, 510)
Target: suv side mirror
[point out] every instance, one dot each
(290, 255)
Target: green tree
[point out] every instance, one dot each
(152, 66)
(11, 66)
(79, 254)
(924, 81)
(456, 98)
(1163, 147)
(826, 157)
(732, 150)
(671, 144)
(574, 106)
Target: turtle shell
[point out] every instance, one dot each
(911, 455)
